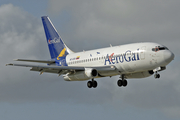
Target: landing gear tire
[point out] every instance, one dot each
(95, 84)
(122, 83)
(156, 76)
(125, 83)
(89, 84)
(92, 83)
(119, 83)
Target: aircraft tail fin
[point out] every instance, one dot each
(57, 48)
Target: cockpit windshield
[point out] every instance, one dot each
(158, 48)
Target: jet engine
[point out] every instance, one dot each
(88, 73)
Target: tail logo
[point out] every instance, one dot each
(55, 40)
(62, 53)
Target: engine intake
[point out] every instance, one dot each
(91, 73)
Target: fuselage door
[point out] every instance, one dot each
(142, 52)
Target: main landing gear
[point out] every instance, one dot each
(122, 82)
(92, 83)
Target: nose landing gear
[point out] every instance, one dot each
(156, 75)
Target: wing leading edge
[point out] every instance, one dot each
(38, 61)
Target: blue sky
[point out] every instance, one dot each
(85, 25)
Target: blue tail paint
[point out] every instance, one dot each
(57, 48)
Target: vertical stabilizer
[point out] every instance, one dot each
(57, 48)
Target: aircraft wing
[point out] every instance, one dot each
(38, 61)
(61, 69)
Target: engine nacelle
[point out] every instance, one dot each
(140, 74)
(89, 73)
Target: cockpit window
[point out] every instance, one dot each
(162, 48)
(158, 48)
(155, 49)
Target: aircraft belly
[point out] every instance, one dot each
(109, 73)
(126, 67)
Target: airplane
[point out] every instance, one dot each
(135, 60)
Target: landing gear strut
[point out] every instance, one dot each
(122, 82)
(92, 83)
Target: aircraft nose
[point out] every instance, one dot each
(168, 56)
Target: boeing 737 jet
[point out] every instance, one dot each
(136, 60)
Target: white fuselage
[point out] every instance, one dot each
(127, 59)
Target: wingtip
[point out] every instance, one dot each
(10, 64)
